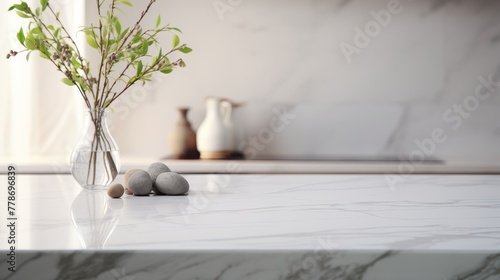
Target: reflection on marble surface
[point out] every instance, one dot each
(95, 216)
(265, 227)
(268, 212)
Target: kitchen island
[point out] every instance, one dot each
(255, 226)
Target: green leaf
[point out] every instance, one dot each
(175, 41)
(28, 56)
(139, 68)
(68, 82)
(185, 49)
(37, 43)
(104, 32)
(43, 55)
(122, 35)
(106, 104)
(158, 21)
(20, 36)
(44, 4)
(167, 70)
(36, 31)
(145, 48)
(23, 15)
(75, 62)
(175, 28)
(77, 79)
(23, 7)
(125, 2)
(157, 58)
(137, 38)
(118, 27)
(182, 64)
(91, 41)
(132, 80)
(30, 43)
(44, 51)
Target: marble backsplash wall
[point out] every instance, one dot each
(361, 78)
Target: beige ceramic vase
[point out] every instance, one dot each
(182, 139)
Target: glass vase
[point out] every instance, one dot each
(95, 161)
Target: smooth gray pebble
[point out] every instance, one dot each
(140, 183)
(156, 169)
(171, 183)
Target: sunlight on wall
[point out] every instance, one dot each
(40, 116)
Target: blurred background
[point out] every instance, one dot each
(362, 79)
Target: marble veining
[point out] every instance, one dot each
(269, 53)
(357, 211)
(263, 227)
(363, 265)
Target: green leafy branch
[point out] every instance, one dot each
(126, 54)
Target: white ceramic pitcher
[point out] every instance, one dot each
(215, 137)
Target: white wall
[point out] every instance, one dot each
(272, 52)
(37, 111)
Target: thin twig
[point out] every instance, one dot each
(78, 53)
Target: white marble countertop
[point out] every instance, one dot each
(454, 219)
(266, 212)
